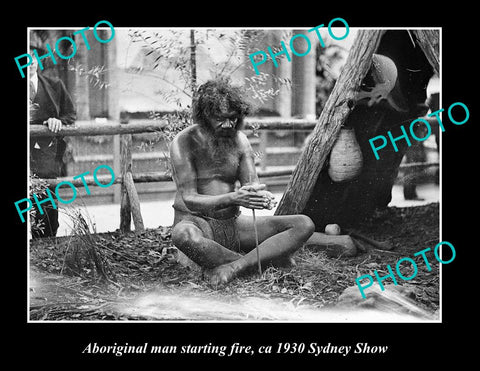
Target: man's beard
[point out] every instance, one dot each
(222, 144)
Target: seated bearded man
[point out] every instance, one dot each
(214, 171)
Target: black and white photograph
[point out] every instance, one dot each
(230, 201)
(239, 176)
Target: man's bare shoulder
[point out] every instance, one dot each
(189, 132)
(187, 137)
(243, 142)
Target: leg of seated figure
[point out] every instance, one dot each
(191, 240)
(318, 238)
(341, 245)
(278, 236)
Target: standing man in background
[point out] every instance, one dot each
(50, 105)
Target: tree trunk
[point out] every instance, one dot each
(337, 109)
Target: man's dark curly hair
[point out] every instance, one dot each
(218, 96)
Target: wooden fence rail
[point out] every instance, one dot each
(87, 128)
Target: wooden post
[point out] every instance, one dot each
(134, 201)
(125, 144)
(129, 201)
(337, 108)
(116, 166)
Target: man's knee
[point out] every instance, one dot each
(185, 235)
(304, 225)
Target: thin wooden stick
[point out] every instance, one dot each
(256, 242)
(256, 235)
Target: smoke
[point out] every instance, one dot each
(192, 304)
(188, 305)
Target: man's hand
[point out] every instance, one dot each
(271, 203)
(253, 187)
(53, 124)
(254, 197)
(250, 200)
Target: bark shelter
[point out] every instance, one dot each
(310, 190)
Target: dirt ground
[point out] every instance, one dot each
(114, 276)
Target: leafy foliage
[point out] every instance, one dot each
(171, 57)
(38, 186)
(94, 75)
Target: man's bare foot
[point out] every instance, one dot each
(219, 276)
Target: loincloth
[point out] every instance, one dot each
(222, 231)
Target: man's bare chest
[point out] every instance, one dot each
(213, 165)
